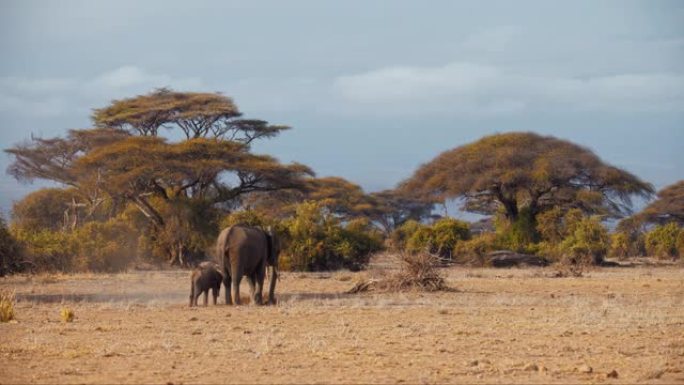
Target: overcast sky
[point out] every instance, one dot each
(372, 88)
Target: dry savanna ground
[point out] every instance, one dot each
(515, 325)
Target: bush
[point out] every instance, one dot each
(588, 243)
(518, 235)
(441, 238)
(104, 246)
(623, 245)
(401, 235)
(358, 240)
(96, 246)
(66, 314)
(46, 250)
(43, 209)
(10, 253)
(6, 306)
(316, 240)
(187, 236)
(550, 250)
(418, 271)
(473, 251)
(554, 225)
(662, 241)
(247, 218)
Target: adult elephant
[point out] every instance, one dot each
(247, 251)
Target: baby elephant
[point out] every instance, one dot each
(205, 276)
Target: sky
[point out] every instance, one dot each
(372, 89)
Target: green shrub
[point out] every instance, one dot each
(245, 217)
(623, 245)
(104, 246)
(401, 235)
(680, 243)
(46, 250)
(358, 240)
(10, 252)
(474, 250)
(620, 245)
(550, 250)
(441, 238)
(316, 240)
(187, 235)
(588, 243)
(662, 240)
(43, 209)
(518, 235)
(550, 225)
(554, 225)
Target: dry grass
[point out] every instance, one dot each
(7, 299)
(66, 314)
(136, 328)
(416, 272)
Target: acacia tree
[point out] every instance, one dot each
(668, 207)
(513, 172)
(196, 114)
(125, 160)
(346, 200)
(392, 208)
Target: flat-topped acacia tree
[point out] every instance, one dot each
(520, 171)
(668, 207)
(197, 114)
(175, 185)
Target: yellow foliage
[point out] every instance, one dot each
(6, 306)
(66, 314)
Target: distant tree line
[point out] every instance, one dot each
(158, 175)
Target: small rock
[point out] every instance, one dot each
(196, 332)
(543, 368)
(473, 363)
(193, 319)
(585, 369)
(531, 368)
(612, 374)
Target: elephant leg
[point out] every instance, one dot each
(252, 291)
(196, 296)
(272, 285)
(215, 293)
(226, 285)
(259, 277)
(192, 295)
(206, 297)
(236, 289)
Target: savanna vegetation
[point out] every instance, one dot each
(159, 175)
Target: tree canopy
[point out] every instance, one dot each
(125, 160)
(518, 170)
(196, 114)
(668, 207)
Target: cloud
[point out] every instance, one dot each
(478, 89)
(61, 96)
(132, 78)
(493, 39)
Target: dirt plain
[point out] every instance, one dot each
(496, 326)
